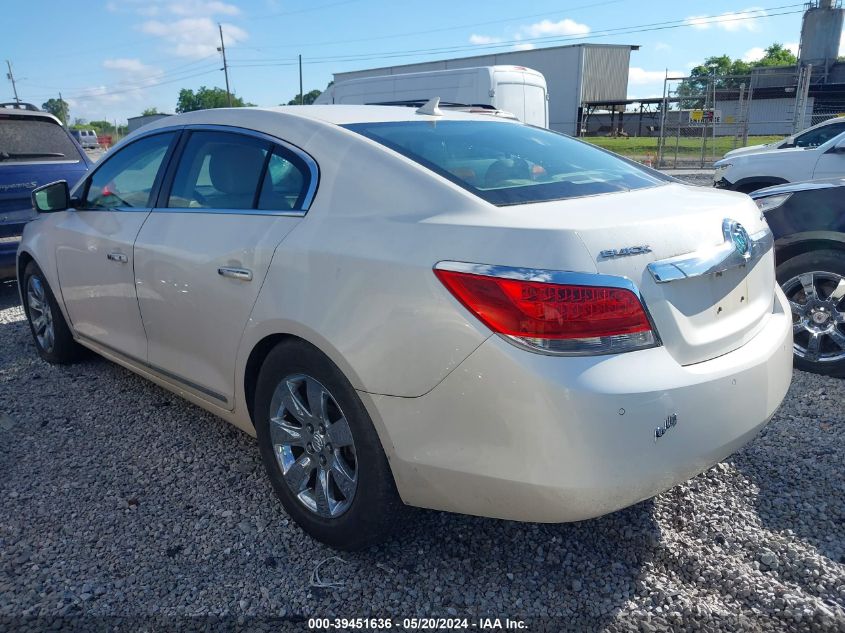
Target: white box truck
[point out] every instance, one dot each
(516, 89)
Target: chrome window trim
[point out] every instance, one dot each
(717, 259)
(563, 277)
(285, 214)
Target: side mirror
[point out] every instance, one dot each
(52, 197)
(839, 148)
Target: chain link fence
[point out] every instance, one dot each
(699, 119)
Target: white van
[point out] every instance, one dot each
(516, 89)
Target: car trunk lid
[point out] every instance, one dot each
(697, 317)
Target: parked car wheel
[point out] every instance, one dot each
(321, 451)
(50, 331)
(814, 283)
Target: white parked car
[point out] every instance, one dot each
(811, 137)
(817, 153)
(454, 311)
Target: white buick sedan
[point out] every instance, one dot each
(418, 307)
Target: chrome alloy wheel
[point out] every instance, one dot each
(818, 324)
(313, 445)
(40, 314)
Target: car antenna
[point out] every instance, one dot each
(431, 107)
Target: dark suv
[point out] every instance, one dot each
(808, 222)
(35, 149)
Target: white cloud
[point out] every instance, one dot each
(745, 20)
(483, 39)
(754, 54)
(202, 7)
(189, 8)
(523, 46)
(194, 37)
(562, 27)
(641, 77)
(792, 47)
(130, 66)
(662, 46)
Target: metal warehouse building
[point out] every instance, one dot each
(574, 74)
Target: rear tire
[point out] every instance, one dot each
(332, 477)
(814, 283)
(52, 336)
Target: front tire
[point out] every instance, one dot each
(814, 283)
(321, 451)
(50, 331)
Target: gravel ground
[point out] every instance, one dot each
(119, 500)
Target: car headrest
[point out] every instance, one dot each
(235, 168)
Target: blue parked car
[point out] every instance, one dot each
(35, 149)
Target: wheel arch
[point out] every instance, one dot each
(262, 347)
(788, 247)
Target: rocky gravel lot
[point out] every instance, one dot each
(121, 506)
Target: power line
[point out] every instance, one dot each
(89, 93)
(750, 14)
(437, 30)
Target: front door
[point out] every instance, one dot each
(94, 256)
(202, 255)
(831, 164)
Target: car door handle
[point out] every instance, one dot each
(118, 257)
(244, 274)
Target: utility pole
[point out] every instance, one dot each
(301, 96)
(11, 77)
(62, 106)
(225, 68)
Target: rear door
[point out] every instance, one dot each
(203, 253)
(94, 256)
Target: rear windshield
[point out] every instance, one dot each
(510, 163)
(30, 140)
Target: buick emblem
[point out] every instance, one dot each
(739, 236)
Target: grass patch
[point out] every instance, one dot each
(638, 147)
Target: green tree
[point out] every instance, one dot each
(150, 111)
(57, 107)
(727, 74)
(310, 97)
(205, 99)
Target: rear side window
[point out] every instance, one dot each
(219, 170)
(285, 183)
(126, 179)
(34, 140)
(510, 163)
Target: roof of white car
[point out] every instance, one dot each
(336, 114)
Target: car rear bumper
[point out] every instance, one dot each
(523, 436)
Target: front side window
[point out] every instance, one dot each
(125, 180)
(219, 170)
(819, 136)
(510, 163)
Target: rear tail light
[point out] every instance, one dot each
(554, 316)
